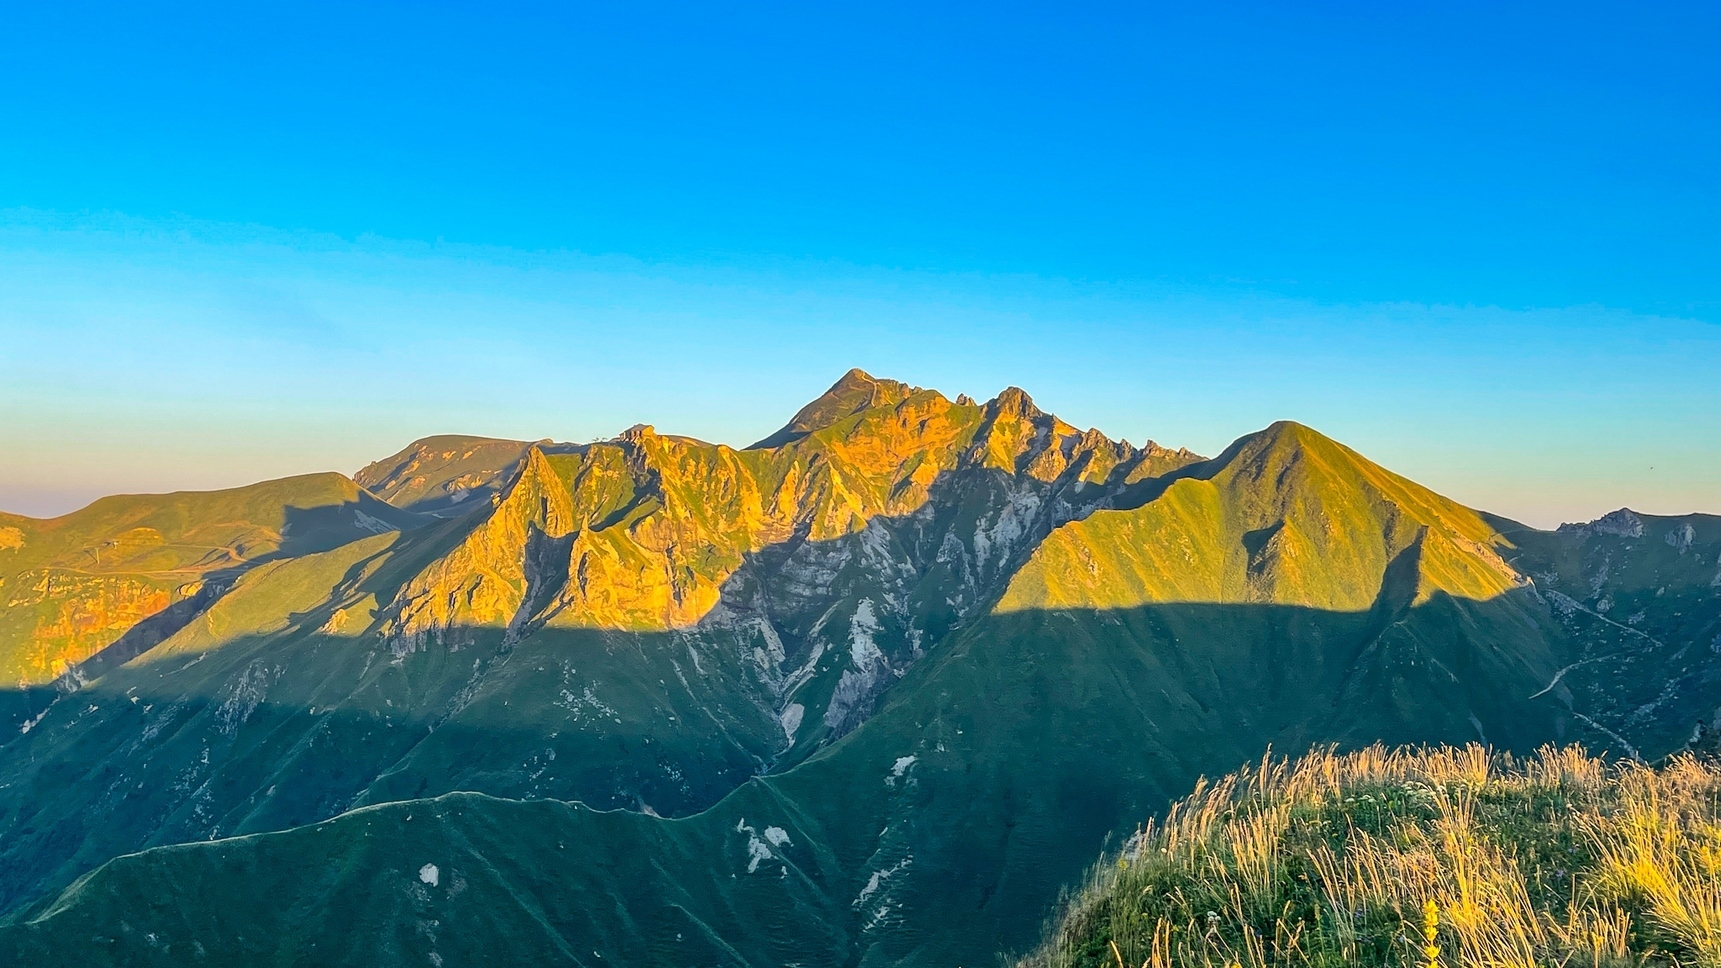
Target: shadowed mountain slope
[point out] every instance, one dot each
(1639, 597)
(891, 682)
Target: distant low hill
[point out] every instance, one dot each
(872, 691)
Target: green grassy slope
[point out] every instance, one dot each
(1027, 750)
(1285, 516)
(460, 880)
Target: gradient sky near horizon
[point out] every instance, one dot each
(1479, 243)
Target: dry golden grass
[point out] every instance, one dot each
(1558, 860)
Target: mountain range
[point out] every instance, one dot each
(874, 690)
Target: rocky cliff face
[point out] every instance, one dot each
(76, 615)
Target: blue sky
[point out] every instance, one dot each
(1478, 243)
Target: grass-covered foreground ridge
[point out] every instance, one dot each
(1559, 859)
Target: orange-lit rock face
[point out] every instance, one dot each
(75, 616)
(72, 586)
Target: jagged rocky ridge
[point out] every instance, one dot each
(914, 658)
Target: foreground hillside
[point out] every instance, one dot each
(1394, 858)
(871, 691)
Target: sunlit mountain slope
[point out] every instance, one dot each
(73, 586)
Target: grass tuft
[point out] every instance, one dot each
(1415, 858)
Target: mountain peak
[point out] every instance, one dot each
(854, 391)
(1290, 431)
(1281, 440)
(1623, 523)
(855, 376)
(1015, 400)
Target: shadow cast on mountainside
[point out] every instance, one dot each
(312, 530)
(1000, 765)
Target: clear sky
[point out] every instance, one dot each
(1479, 243)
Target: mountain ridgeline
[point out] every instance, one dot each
(871, 691)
